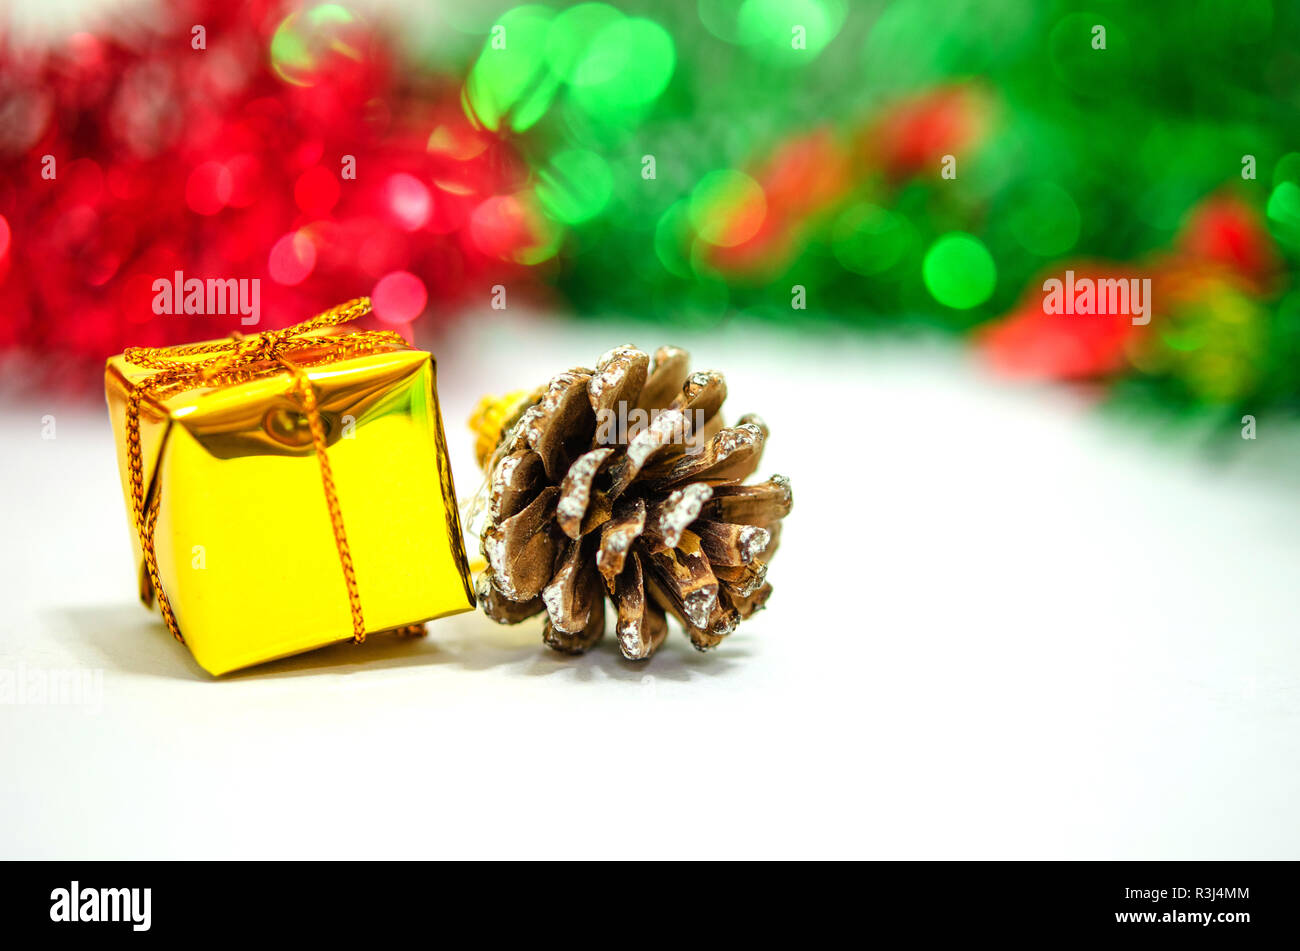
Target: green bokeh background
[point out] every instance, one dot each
(1084, 154)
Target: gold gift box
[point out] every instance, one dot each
(243, 535)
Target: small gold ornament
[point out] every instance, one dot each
(624, 482)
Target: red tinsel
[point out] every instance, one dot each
(125, 161)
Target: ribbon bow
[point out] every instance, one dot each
(236, 360)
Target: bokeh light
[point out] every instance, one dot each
(316, 191)
(308, 43)
(292, 259)
(727, 208)
(457, 142)
(959, 271)
(245, 180)
(570, 43)
(513, 228)
(409, 200)
(511, 85)
(575, 186)
(721, 18)
(789, 32)
(626, 67)
(208, 188)
(1287, 169)
(869, 240)
(399, 297)
(673, 238)
(1284, 214)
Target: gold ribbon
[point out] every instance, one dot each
(234, 361)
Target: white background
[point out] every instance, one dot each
(1004, 625)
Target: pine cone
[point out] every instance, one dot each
(623, 482)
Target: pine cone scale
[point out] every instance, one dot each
(620, 377)
(668, 374)
(641, 626)
(516, 479)
(731, 545)
(674, 515)
(521, 550)
(616, 538)
(576, 491)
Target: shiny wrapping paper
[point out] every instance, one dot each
(243, 537)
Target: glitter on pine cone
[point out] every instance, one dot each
(624, 483)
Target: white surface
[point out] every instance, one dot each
(1056, 636)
